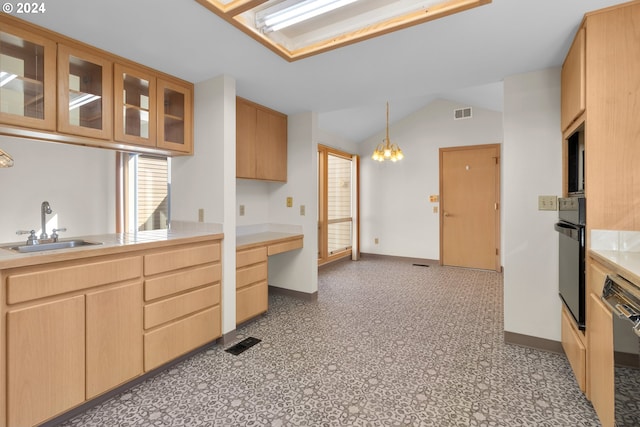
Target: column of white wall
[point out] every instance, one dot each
(207, 180)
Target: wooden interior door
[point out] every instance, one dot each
(469, 202)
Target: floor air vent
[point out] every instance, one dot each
(462, 113)
(243, 345)
(421, 265)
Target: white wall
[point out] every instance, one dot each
(254, 195)
(298, 270)
(394, 200)
(207, 179)
(78, 182)
(532, 166)
(336, 141)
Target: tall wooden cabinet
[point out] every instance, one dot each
(600, 96)
(612, 127)
(261, 142)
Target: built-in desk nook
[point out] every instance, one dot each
(252, 272)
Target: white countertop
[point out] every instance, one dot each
(619, 250)
(110, 243)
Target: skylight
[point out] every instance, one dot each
(297, 29)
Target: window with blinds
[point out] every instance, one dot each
(143, 185)
(152, 193)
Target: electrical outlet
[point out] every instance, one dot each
(376, 241)
(241, 210)
(435, 209)
(289, 202)
(547, 203)
(201, 215)
(302, 210)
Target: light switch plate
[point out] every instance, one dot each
(303, 210)
(241, 210)
(547, 203)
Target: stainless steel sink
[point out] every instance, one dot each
(60, 244)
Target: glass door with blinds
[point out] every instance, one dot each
(337, 222)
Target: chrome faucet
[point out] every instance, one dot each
(45, 209)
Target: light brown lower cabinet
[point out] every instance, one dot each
(79, 328)
(182, 301)
(251, 283)
(574, 347)
(600, 333)
(252, 274)
(45, 360)
(114, 346)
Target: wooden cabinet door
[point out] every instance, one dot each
(114, 337)
(251, 301)
(261, 142)
(85, 93)
(245, 139)
(573, 100)
(175, 116)
(27, 79)
(45, 360)
(135, 104)
(601, 371)
(271, 146)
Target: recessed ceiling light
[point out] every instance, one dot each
(296, 29)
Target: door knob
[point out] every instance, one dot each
(446, 214)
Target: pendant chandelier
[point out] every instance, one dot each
(386, 150)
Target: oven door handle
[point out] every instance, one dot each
(568, 230)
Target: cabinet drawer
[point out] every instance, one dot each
(285, 246)
(177, 282)
(169, 309)
(247, 275)
(40, 284)
(251, 256)
(179, 258)
(574, 349)
(175, 339)
(251, 301)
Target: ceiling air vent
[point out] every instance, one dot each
(462, 113)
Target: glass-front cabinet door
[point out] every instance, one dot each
(175, 115)
(27, 79)
(135, 106)
(84, 93)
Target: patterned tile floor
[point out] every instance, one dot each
(386, 344)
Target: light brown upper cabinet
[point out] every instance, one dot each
(573, 81)
(84, 93)
(27, 79)
(135, 105)
(261, 142)
(175, 116)
(54, 88)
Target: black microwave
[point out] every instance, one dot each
(575, 162)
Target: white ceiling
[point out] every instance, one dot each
(463, 57)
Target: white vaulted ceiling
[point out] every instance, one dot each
(462, 57)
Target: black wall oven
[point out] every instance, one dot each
(571, 257)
